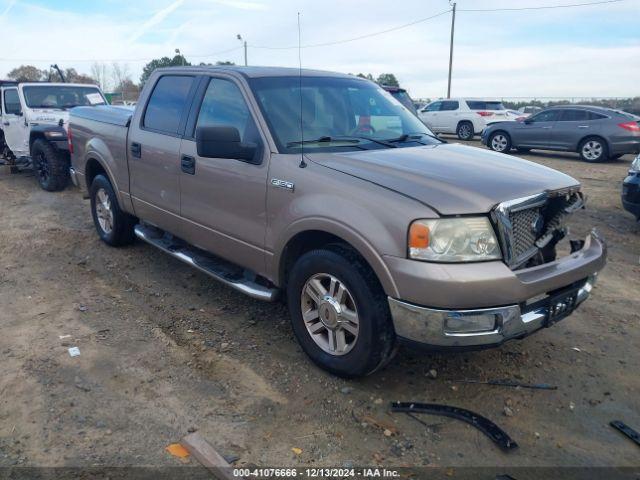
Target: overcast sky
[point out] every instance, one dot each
(574, 52)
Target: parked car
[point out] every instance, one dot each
(372, 234)
(631, 189)
(463, 116)
(596, 133)
(402, 96)
(34, 123)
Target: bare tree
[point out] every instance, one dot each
(100, 74)
(119, 73)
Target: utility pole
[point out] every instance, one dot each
(453, 24)
(244, 44)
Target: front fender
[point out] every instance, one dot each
(347, 234)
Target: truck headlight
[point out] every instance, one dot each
(469, 239)
(635, 165)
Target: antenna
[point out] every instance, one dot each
(303, 164)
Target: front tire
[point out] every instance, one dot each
(500, 142)
(50, 166)
(339, 312)
(114, 226)
(593, 150)
(465, 131)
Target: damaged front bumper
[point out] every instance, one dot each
(441, 328)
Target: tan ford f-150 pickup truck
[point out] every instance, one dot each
(325, 189)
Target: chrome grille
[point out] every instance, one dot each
(516, 220)
(523, 235)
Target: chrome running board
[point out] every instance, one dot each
(228, 273)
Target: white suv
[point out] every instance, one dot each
(465, 117)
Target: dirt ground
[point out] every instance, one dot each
(165, 350)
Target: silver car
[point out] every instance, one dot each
(596, 133)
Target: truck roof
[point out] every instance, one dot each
(62, 84)
(256, 72)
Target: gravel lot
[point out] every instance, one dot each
(165, 350)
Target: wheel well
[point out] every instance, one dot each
(93, 169)
(35, 136)
(305, 242)
(465, 121)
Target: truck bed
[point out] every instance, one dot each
(105, 114)
(101, 132)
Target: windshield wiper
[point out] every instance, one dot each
(328, 139)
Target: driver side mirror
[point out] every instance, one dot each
(528, 121)
(218, 141)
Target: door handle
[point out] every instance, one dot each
(136, 150)
(188, 164)
(6, 124)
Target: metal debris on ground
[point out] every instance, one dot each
(512, 383)
(626, 430)
(483, 424)
(74, 351)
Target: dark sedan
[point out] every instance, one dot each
(596, 133)
(631, 189)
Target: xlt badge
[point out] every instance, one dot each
(276, 182)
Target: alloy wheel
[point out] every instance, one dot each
(104, 211)
(592, 150)
(499, 143)
(329, 313)
(465, 131)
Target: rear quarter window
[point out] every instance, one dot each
(166, 104)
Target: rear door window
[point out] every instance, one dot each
(167, 104)
(574, 116)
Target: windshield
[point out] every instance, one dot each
(60, 96)
(337, 114)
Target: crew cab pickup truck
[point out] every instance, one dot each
(33, 133)
(324, 189)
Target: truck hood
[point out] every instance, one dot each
(449, 178)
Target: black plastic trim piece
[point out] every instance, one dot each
(626, 430)
(483, 424)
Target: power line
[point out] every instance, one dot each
(547, 7)
(368, 35)
(337, 42)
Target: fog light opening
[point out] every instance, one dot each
(470, 323)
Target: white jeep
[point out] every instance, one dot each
(33, 132)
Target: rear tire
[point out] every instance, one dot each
(114, 226)
(593, 150)
(333, 293)
(465, 131)
(50, 166)
(500, 142)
